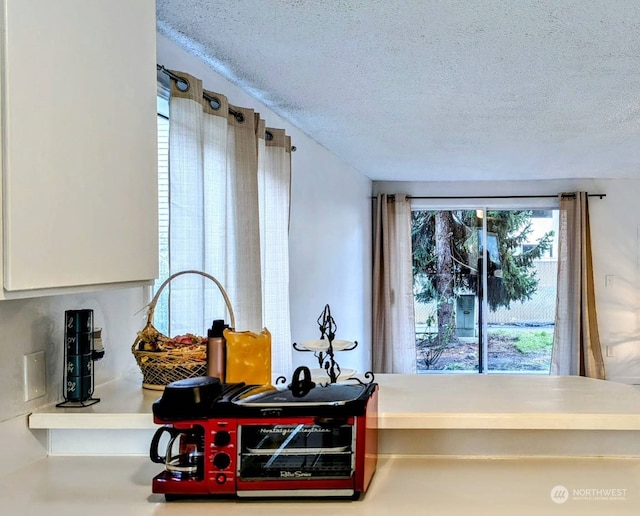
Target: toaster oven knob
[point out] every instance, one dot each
(222, 438)
(221, 460)
(221, 478)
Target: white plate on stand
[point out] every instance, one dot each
(320, 375)
(323, 345)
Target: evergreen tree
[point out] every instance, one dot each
(447, 258)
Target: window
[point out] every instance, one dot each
(484, 311)
(161, 313)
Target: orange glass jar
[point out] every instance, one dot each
(248, 357)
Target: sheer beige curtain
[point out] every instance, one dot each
(576, 342)
(229, 199)
(274, 189)
(394, 340)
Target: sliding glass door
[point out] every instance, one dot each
(484, 286)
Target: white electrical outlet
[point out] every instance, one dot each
(35, 375)
(608, 280)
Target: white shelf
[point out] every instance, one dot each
(411, 402)
(124, 404)
(507, 402)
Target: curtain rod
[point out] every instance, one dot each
(214, 101)
(600, 196)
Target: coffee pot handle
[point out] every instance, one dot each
(153, 450)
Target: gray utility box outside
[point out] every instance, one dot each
(466, 315)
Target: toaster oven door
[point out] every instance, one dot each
(296, 451)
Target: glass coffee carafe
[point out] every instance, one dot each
(184, 452)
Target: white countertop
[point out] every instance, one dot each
(450, 401)
(108, 486)
(402, 485)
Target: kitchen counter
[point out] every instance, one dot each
(426, 415)
(520, 437)
(450, 401)
(76, 486)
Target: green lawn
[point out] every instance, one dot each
(535, 341)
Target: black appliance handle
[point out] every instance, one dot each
(301, 382)
(153, 449)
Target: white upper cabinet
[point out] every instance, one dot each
(78, 146)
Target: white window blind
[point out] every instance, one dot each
(161, 314)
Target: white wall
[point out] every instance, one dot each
(615, 230)
(331, 254)
(30, 325)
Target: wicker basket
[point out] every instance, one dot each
(159, 368)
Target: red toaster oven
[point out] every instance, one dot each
(263, 441)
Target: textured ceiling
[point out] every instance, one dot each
(437, 90)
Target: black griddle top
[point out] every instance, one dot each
(241, 400)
